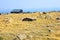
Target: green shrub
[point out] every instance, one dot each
(1, 38)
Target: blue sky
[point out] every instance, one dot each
(29, 5)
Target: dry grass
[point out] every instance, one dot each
(46, 26)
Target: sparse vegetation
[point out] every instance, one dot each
(1, 38)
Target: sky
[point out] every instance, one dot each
(30, 5)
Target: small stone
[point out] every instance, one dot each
(58, 18)
(22, 36)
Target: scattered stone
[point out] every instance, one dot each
(22, 36)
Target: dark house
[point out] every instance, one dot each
(17, 11)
